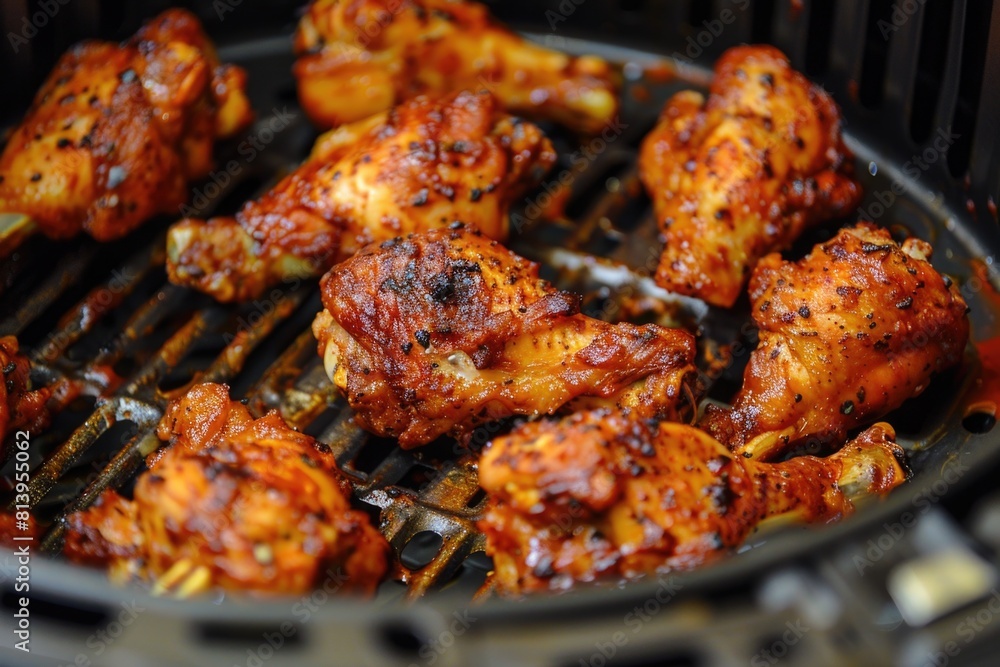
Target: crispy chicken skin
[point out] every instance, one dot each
(847, 334)
(744, 172)
(360, 57)
(600, 495)
(421, 165)
(118, 130)
(234, 503)
(442, 331)
(21, 407)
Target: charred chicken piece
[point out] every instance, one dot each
(744, 172)
(442, 331)
(234, 503)
(21, 407)
(419, 166)
(118, 130)
(599, 495)
(360, 57)
(847, 334)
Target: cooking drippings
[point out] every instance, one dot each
(981, 273)
(985, 393)
(105, 377)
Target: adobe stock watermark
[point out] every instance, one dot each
(894, 531)
(562, 12)
(30, 25)
(248, 149)
(103, 639)
(966, 629)
(779, 648)
(914, 168)
(433, 649)
(901, 13)
(712, 30)
(579, 160)
(635, 620)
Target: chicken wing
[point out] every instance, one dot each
(118, 130)
(21, 407)
(442, 331)
(600, 495)
(234, 503)
(360, 57)
(846, 334)
(742, 173)
(421, 165)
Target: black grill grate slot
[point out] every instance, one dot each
(976, 27)
(763, 15)
(930, 68)
(871, 87)
(821, 13)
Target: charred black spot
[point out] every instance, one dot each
(720, 494)
(442, 288)
(423, 337)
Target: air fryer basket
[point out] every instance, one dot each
(919, 84)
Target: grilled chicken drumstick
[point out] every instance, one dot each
(233, 503)
(847, 334)
(439, 332)
(118, 131)
(599, 495)
(360, 57)
(421, 165)
(742, 173)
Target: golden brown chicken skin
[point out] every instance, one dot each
(21, 407)
(234, 503)
(598, 495)
(743, 172)
(847, 334)
(442, 331)
(360, 57)
(419, 166)
(118, 130)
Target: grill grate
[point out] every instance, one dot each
(129, 341)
